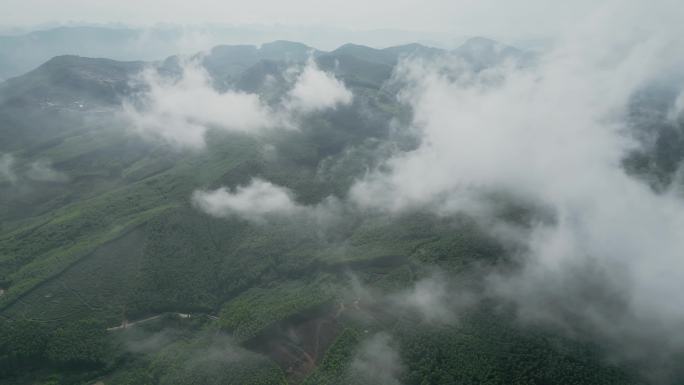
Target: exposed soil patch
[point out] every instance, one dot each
(299, 343)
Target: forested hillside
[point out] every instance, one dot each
(117, 267)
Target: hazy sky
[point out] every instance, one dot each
(519, 19)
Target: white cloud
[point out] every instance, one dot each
(316, 90)
(263, 202)
(377, 361)
(181, 111)
(677, 111)
(555, 134)
(42, 170)
(431, 299)
(7, 168)
(254, 201)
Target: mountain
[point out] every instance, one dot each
(226, 63)
(366, 53)
(387, 56)
(413, 49)
(22, 51)
(287, 51)
(72, 81)
(110, 271)
(483, 52)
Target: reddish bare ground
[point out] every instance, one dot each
(298, 344)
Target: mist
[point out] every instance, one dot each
(552, 134)
(377, 361)
(253, 201)
(43, 171)
(424, 213)
(179, 111)
(7, 168)
(555, 134)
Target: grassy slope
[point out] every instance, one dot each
(130, 245)
(51, 243)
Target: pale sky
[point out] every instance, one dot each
(513, 18)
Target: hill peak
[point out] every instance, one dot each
(285, 44)
(479, 44)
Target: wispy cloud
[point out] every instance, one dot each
(40, 170)
(261, 202)
(181, 110)
(433, 300)
(609, 262)
(7, 168)
(316, 90)
(556, 134)
(43, 171)
(676, 113)
(377, 361)
(254, 201)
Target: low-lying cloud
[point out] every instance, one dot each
(610, 265)
(40, 170)
(433, 300)
(676, 113)
(43, 171)
(180, 111)
(262, 202)
(255, 201)
(316, 90)
(7, 168)
(377, 361)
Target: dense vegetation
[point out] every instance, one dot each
(220, 299)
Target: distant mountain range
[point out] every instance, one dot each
(68, 79)
(111, 273)
(20, 53)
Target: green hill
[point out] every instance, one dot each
(225, 300)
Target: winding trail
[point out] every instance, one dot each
(125, 324)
